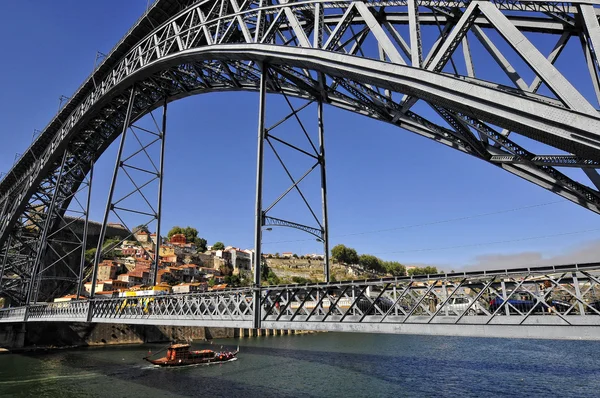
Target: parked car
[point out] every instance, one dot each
(383, 303)
(525, 302)
(595, 305)
(461, 304)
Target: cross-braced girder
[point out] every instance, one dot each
(558, 302)
(366, 57)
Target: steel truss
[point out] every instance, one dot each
(313, 152)
(542, 302)
(140, 170)
(47, 236)
(352, 55)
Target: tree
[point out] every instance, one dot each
(90, 254)
(191, 236)
(200, 244)
(268, 275)
(218, 246)
(370, 262)
(175, 230)
(233, 280)
(300, 280)
(394, 268)
(422, 271)
(295, 255)
(343, 254)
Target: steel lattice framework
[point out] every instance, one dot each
(368, 57)
(545, 302)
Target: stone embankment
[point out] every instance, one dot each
(43, 335)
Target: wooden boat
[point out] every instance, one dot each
(181, 355)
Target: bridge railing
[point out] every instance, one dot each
(231, 305)
(16, 314)
(76, 310)
(551, 296)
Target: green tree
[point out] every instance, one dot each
(200, 244)
(343, 254)
(370, 262)
(272, 278)
(268, 276)
(191, 236)
(394, 268)
(233, 280)
(90, 255)
(218, 246)
(175, 230)
(295, 255)
(422, 271)
(190, 233)
(211, 282)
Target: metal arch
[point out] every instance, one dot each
(277, 222)
(195, 47)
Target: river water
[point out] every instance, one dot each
(319, 365)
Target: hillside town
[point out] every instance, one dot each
(185, 264)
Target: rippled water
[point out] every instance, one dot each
(319, 365)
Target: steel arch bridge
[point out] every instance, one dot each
(396, 61)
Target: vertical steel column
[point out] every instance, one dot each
(85, 231)
(110, 197)
(2, 212)
(504, 301)
(259, 180)
(578, 294)
(323, 190)
(5, 259)
(44, 236)
(160, 192)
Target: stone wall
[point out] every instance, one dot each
(61, 334)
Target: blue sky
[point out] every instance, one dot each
(380, 177)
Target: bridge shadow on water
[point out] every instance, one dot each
(448, 367)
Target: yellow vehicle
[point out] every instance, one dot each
(141, 297)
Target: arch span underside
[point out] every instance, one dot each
(370, 58)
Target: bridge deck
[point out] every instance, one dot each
(550, 302)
